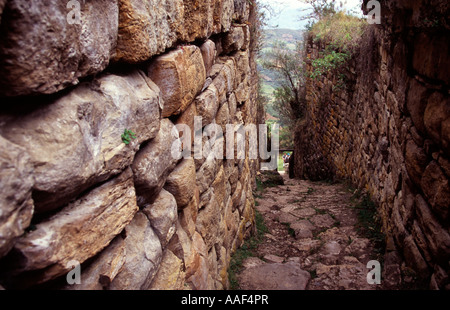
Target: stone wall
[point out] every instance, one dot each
(132, 215)
(387, 130)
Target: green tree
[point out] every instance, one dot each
(289, 99)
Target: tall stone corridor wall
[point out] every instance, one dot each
(388, 130)
(72, 191)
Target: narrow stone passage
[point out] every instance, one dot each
(312, 241)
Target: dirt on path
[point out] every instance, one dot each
(312, 241)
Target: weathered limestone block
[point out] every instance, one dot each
(75, 141)
(415, 161)
(414, 258)
(437, 114)
(198, 19)
(241, 10)
(242, 66)
(180, 75)
(421, 241)
(208, 50)
(199, 277)
(207, 104)
(162, 215)
(192, 251)
(435, 186)
(143, 257)
(207, 172)
(153, 164)
(170, 275)
(438, 237)
(234, 40)
(188, 215)
(430, 54)
(224, 78)
(219, 186)
(416, 104)
(222, 267)
(223, 15)
(16, 204)
(181, 182)
(223, 118)
(79, 232)
(237, 195)
(247, 37)
(104, 269)
(188, 118)
(210, 223)
(147, 28)
(232, 105)
(41, 52)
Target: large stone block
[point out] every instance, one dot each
(437, 119)
(223, 15)
(234, 40)
(207, 172)
(75, 141)
(198, 19)
(163, 215)
(153, 164)
(79, 232)
(415, 161)
(170, 274)
(208, 50)
(207, 104)
(181, 182)
(208, 223)
(143, 257)
(16, 204)
(436, 188)
(42, 51)
(105, 267)
(416, 103)
(147, 28)
(437, 236)
(180, 75)
(430, 54)
(241, 10)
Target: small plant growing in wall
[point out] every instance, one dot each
(127, 136)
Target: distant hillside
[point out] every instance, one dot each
(269, 78)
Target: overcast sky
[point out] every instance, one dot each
(289, 12)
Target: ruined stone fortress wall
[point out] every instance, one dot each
(71, 82)
(388, 130)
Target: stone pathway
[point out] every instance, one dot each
(312, 242)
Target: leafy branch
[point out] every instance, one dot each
(127, 136)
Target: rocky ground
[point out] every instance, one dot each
(312, 241)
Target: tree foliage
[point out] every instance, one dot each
(289, 100)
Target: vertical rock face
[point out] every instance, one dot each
(388, 131)
(87, 173)
(75, 141)
(79, 232)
